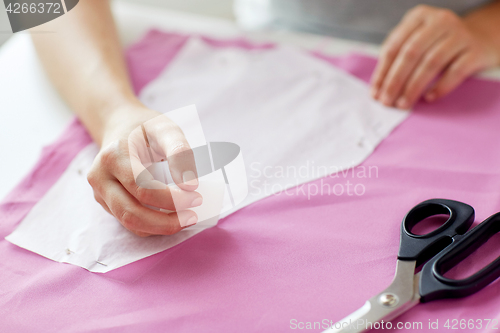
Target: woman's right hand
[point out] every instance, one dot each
(430, 44)
(124, 187)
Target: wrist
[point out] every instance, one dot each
(122, 119)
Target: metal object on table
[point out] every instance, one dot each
(440, 250)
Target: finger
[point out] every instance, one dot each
(406, 61)
(166, 137)
(149, 191)
(137, 218)
(142, 234)
(101, 201)
(96, 177)
(144, 188)
(142, 156)
(455, 74)
(391, 47)
(433, 63)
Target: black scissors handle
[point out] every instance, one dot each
(421, 248)
(433, 285)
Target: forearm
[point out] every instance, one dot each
(84, 60)
(486, 22)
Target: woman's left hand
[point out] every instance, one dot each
(427, 42)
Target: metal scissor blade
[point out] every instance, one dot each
(400, 296)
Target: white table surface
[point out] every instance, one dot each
(32, 115)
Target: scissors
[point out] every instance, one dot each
(440, 250)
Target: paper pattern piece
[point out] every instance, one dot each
(80, 232)
(286, 110)
(295, 117)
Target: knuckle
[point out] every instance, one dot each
(170, 229)
(142, 194)
(109, 157)
(390, 51)
(411, 53)
(393, 86)
(131, 182)
(179, 147)
(171, 225)
(432, 63)
(446, 15)
(95, 178)
(129, 219)
(419, 9)
(92, 178)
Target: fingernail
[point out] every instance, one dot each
(189, 178)
(187, 218)
(402, 103)
(373, 92)
(430, 97)
(191, 221)
(197, 202)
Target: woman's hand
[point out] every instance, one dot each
(84, 60)
(123, 185)
(427, 42)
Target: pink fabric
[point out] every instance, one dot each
(283, 258)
